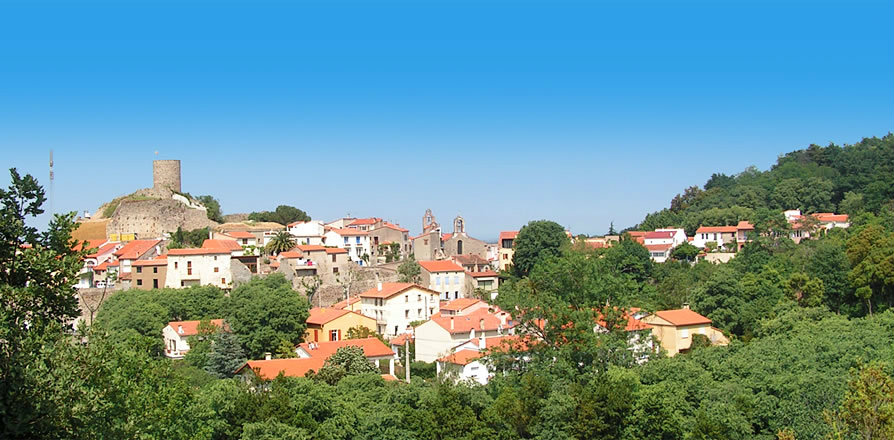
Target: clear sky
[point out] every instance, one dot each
(503, 112)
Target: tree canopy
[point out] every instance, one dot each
(283, 214)
(536, 241)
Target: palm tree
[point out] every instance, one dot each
(280, 242)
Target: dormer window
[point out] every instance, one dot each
(180, 329)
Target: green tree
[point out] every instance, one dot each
(224, 356)
(409, 271)
(346, 361)
(281, 242)
(685, 252)
(266, 311)
(284, 214)
(867, 411)
(536, 241)
(213, 206)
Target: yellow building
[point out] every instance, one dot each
(506, 248)
(675, 328)
(329, 324)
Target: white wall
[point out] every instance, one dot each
(451, 285)
(202, 270)
(400, 310)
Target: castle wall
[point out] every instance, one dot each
(152, 218)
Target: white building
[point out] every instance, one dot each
(674, 237)
(244, 238)
(468, 361)
(307, 233)
(395, 305)
(199, 267)
(437, 337)
(445, 277)
(722, 236)
(355, 241)
(176, 335)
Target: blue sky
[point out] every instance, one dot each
(502, 111)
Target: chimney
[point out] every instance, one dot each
(268, 356)
(482, 345)
(451, 323)
(180, 329)
(481, 324)
(686, 306)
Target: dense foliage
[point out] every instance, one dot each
(283, 214)
(188, 239)
(213, 207)
(851, 179)
(536, 241)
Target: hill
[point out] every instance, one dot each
(849, 179)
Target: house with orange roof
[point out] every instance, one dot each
(721, 236)
(352, 304)
(445, 277)
(385, 236)
(395, 305)
(462, 306)
(744, 230)
(312, 356)
(355, 241)
(374, 350)
(149, 274)
(364, 224)
(436, 337)
(327, 324)
(506, 250)
(177, 333)
(674, 329)
(269, 369)
(199, 267)
(136, 250)
(467, 362)
(805, 226)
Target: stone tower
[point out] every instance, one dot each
(166, 175)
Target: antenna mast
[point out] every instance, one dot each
(52, 178)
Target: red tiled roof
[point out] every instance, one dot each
(191, 328)
(345, 303)
(231, 245)
(104, 249)
(322, 315)
(135, 249)
(240, 234)
(153, 262)
(657, 235)
(635, 234)
(633, 324)
(310, 247)
(440, 266)
(744, 225)
(680, 317)
(349, 232)
(91, 244)
(291, 254)
(465, 323)
(364, 221)
(205, 251)
(508, 235)
(460, 304)
(391, 289)
(445, 237)
(716, 229)
(390, 378)
(293, 367)
(658, 247)
(831, 217)
(336, 251)
(462, 357)
(402, 339)
(395, 227)
(485, 274)
(372, 347)
(104, 266)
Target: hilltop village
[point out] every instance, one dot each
(433, 289)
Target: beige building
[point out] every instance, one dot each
(395, 305)
(506, 244)
(440, 335)
(177, 333)
(332, 324)
(328, 262)
(445, 277)
(460, 243)
(149, 274)
(675, 328)
(199, 267)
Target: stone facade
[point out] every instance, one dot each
(166, 175)
(152, 218)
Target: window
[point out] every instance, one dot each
(406, 298)
(419, 313)
(334, 270)
(139, 282)
(334, 335)
(175, 265)
(357, 241)
(459, 247)
(155, 269)
(333, 258)
(182, 284)
(346, 240)
(223, 280)
(406, 314)
(216, 270)
(139, 269)
(244, 241)
(456, 295)
(418, 298)
(155, 283)
(189, 267)
(684, 333)
(215, 258)
(456, 279)
(505, 256)
(437, 280)
(425, 242)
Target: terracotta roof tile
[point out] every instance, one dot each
(395, 227)
(391, 289)
(231, 245)
(479, 320)
(460, 304)
(240, 234)
(680, 317)
(336, 251)
(310, 247)
(205, 251)
(291, 254)
(658, 235)
(508, 235)
(485, 274)
(440, 266)
(462, 357)
(372, 347)
(322, 315)
(345, 303)
(191, 328)
(294, 367)
(349, 232)
(135, 249)
(716, 229)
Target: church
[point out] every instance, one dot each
(432, 244)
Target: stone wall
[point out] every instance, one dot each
(152, 218)
(166, 174)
